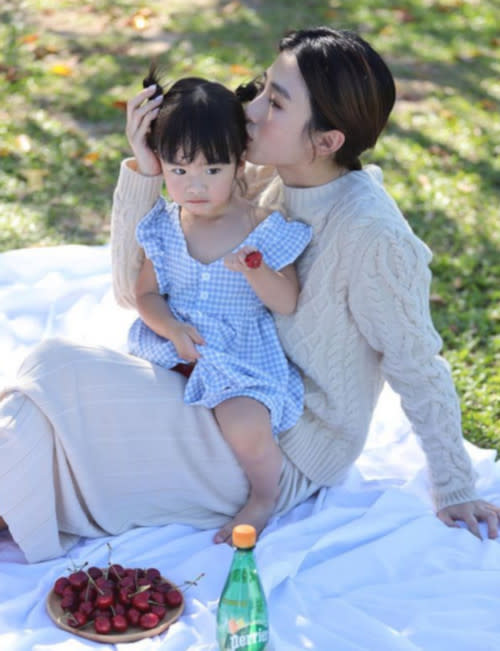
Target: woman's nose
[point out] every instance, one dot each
(254, 109)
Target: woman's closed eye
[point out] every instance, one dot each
(274, 103)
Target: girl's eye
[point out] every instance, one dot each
(213, 170)
(179, 171)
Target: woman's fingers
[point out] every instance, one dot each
(137, 100)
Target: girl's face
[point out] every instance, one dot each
(201, 189)
(278, 117)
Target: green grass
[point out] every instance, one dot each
(66, 69)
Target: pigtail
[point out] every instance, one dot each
(153, 77)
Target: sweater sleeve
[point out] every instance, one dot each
(133, 197)
(389, 300)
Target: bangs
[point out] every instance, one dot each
(200, 118)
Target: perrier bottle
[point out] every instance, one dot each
(242, 623)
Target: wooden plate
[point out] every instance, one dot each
(132, 634)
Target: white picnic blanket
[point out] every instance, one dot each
(363, 566)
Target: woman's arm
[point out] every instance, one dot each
(133, 197)
(138, 188)
(389, 300)
(278, 290)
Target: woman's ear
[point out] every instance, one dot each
(327, 143)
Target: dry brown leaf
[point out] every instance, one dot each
(119, 104)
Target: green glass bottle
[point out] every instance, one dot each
(242, 623)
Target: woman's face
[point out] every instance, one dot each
(278, 117)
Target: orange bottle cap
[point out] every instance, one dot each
(244, 536)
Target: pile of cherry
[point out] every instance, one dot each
(116, 598)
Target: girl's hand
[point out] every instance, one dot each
(140, 114)
(184, 337)
(472, 513)
(236, 261)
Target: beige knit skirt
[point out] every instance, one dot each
(95, 442)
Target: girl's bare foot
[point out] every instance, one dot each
(255, 512)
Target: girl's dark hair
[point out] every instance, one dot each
(351, 89)
(197, 116)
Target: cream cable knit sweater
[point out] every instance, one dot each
(362, 317)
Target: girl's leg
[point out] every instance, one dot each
(246, 427)
(3, 524)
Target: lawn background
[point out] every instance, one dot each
(67, 68)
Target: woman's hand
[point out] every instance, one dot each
(472, 513)
(184, 337)
(140, 113)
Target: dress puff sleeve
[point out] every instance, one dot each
(281, 241)
(153, 233)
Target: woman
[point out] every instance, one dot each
(94, 441)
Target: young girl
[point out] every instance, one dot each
(201, 299)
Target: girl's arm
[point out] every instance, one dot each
(278, 290)
(156, 314)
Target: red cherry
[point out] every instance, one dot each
(86, 607)
(102, 625)
(126, 582)
(105, 600)
(94, 572)
(124, 595)
(59, 586)
(253, 259)
(77, 619)
(70, 602)
(78, 579)
(153, 574)
(173, 598)
(104, 584)
(148, 620)
(141, 601)
(163, 587)
(159, 610)
(119, 623)
(133, 616)
(158, 597)
(116, 571)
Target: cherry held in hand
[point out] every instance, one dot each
(253, 259)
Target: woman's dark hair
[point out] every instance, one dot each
(351, 89)
(197, 116)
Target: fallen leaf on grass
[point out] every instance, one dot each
(29, 38)
(90, 158)
(119, 104)
(236, 69)
(61, 69)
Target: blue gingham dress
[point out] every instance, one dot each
(242, 355)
